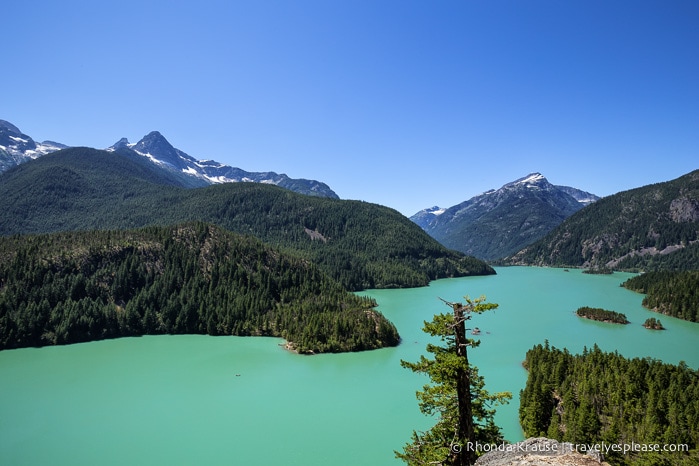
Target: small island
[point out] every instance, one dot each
(653, 324)
(602, 315)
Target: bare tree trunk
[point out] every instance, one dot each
(466, 456)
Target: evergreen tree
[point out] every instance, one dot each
(604, 397)
(457, 395)
(188, 278)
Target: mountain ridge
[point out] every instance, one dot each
(158, 150)
(17, 148)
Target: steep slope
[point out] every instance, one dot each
(192, 278)
(500, 222)
(360, 244)
(651, 227)
(158, 150)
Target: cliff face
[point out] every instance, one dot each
(537, 452)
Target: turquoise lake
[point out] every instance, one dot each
(182, 400)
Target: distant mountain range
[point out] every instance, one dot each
(500, 222)
(17, 148)
(654, 227)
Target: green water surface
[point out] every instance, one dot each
(182, 400)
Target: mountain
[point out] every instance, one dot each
(16, 147)
(159, 151)
(361, 245)
(500, 222)
(651, 227)
(583, 197)
(427, 216)
(190, 278)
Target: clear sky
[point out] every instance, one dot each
(404, 103)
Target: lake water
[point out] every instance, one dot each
(231, 400)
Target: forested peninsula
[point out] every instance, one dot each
(191, 278)
(600, 397)
(673, 293)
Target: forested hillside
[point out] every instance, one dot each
(191, 278)
(669, 292)
(655, 226)
(361, 245)
(603, 397)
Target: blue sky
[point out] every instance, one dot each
(404, 103)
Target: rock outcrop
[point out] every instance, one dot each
(539, 451)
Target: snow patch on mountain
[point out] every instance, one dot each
(16, 147)
(531, 180)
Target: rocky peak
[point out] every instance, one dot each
(120, 144)
(532, 180)
(13, 140)
(9, 127)
(425, 216)
(159, 150)
(154, 143)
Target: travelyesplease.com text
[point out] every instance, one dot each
(555, 448)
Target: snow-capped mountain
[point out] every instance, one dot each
(500, 222)
(582, 197)
(155, 147)
(426, 216)
(16, 147)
